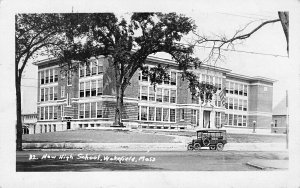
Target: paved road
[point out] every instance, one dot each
(203, 160)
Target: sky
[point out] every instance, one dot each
(263, 54)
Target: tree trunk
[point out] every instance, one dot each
(119, 105)
(19, 111)
(284, 19)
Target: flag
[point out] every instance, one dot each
(222, 95)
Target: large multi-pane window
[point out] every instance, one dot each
(50, 112)
(42, 77)
(94, 88)
(172, 115)
(42, 94)
(46, 112)
(245, 105)
(51, 94)
(55, 110)
(166, 95)
(81, 70)
(87, 89)
(165, 114)
(88, 70)
(81, 110)
(235, 103)
(245, 90)
(81, 89)
(158, 114)
(236, 89)
(87, 110)
(173, 96)
(151, 93)
(194, 117)
(230, 103)
(230, 119)
(231, 87)
(151, 113)
(55, 92)
(218, 119)
(51, 76)
(99, 110)
(55, 75)
(144, 113)
(42, 113)
(93, 110)
(100, 87)
(144, 93)
(240, 120)
(94, 67)
(173, 78)
(47, 76)
(240, 104)
(159, 95)
(244, 121)
(235, 120)
(46, 94)
(240, 89)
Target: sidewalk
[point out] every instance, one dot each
(151, 146)
(269, 164)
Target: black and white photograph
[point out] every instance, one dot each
(154, 96)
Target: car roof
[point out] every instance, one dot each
(211, 130)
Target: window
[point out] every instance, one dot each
(159, 95)
(81, 110)
(87, 88)
(235, 120)
(46, 76)
(144, 75)
(235, 102)
(99, 110)
(226, 119)
(50, 112)
(55, 92)
(158, 114)
(173, 78)
(46, 94)
(226, 102)
(100, 67)
(41, 74)
(151, 94)
(166, 114)
(166, 80)
(218, 119)
(55, 75)
(55, 112)
(173, 96)
(220, 83)
(81, 70)
(231, 87)
(42, 113)
(100, 87)
(227, 87)
(45, 128)
(51, 94)
(51, 76)
(88, 69)
(240, 120)
(166, 95)
(144, 93)
(245, 90)
(144, 113)
(172, 115)
(244, 121)
(236, 90)
(194, 117)
(62, 91)
(42, 94)
(94, 67)
(87, 110)
(81, 89)
(69, 81)
(240, 104)
(245, 105)
(93, 110)
(93, 87)
(240, 89)
(54, 128)
(230, 119)
(230, 103)
(151, 113)
(182, 114)
(46, 112)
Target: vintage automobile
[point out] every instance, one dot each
(213, 138)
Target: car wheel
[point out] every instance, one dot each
(190, 147)
(212, 147)
(220, 146)
(197, 146)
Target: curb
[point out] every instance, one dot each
(256, 166)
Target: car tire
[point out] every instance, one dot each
(197, 146)
(212, 147)
(220, 146)
(190, 147)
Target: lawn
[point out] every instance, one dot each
(231, 138)
(144, 136)
(97, 136)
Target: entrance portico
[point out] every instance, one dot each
(207, 116)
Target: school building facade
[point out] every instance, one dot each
(85, 99)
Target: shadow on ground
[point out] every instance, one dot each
(58, 166)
